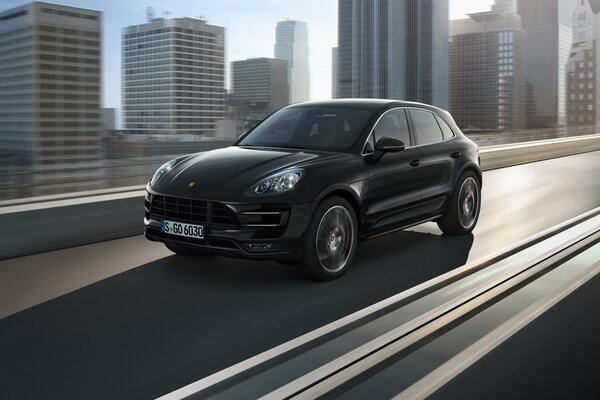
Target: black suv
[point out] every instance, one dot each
(310, 181)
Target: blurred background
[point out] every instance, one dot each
(96, 95)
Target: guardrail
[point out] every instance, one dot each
(37, 225)
(493, 157)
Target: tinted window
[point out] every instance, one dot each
(318, 128)
(426, 128)
(445, 128)
(393, 124)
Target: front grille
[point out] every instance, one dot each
(214, 214)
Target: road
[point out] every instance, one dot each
(544, 360)
(126, 319)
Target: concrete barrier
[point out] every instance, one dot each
(32, 226)
(493, 157)
(39, 227)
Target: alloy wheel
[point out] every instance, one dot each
(334, 239)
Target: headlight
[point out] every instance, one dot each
(279, 183)
(166, 167)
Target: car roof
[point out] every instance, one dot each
(367, 104)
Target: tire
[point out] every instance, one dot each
(185, 250)
(464, 206)
(330, 241)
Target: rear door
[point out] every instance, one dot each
(440, 153)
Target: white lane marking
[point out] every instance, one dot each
(452, 368)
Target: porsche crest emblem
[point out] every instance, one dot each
(191, 184)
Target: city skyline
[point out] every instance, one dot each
(239, 45)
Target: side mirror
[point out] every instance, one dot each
(389, 145)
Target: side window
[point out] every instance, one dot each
(448, 134)
(393, 124)
(426, 127)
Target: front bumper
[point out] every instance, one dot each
(256, 231)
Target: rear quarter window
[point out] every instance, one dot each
(446, 130)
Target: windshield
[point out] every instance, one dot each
(314, 128)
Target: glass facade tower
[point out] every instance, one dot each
(396, 49)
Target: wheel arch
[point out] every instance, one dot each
(347, 195)
(471, 167)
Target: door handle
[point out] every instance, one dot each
(415, 163)
(456, 154)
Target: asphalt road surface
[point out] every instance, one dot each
(163, 322)
(554, 357)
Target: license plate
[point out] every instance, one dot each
(181, 229)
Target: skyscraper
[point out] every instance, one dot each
(547, 25)
(334, 73)
(173, 76)
(259, 87)
(583, 106)
(395, 49)
(487, 71)
(50, 57)
(506, 6)
(291, 45)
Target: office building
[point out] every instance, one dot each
(259, 87)
(173, 76)
(547, 25)
(396, 49)
(505, 6)
(50, 61)
(291, 45)
(582, 67)
(108, 122)
(334, 73)
(487, 71)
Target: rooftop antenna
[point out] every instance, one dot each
(149, 14)
(166, 14)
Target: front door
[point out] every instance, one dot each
(394, 178)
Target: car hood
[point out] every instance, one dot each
(225, 174)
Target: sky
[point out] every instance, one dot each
(250, 30)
